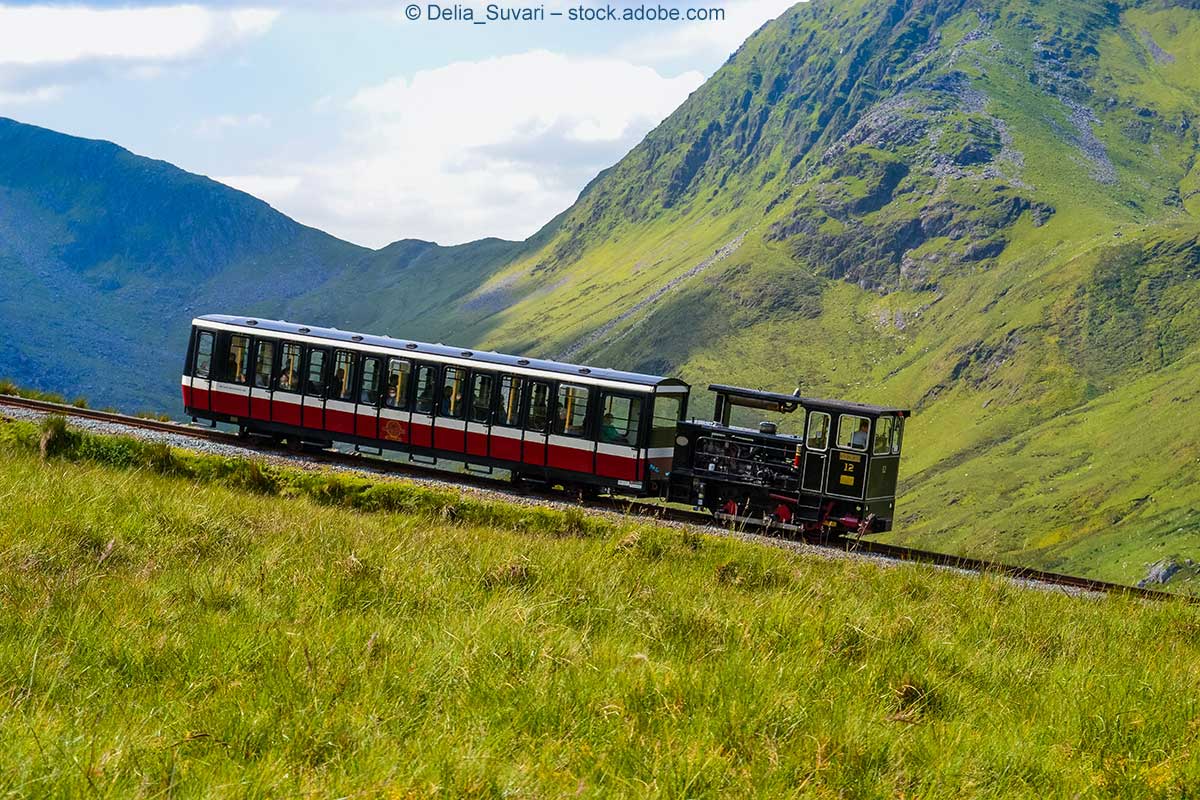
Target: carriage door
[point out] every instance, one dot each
(816, 447)
(537, 423)
(370, 392)
(264, 368)
(231, 389)
(617, 439)
(315, 370)
(479, 416)
(200, 382)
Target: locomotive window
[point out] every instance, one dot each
(539, 406)
(264, 362)
(398, 379)
(289, 369)
(818, 430)
(667, 408)
(425, 389)
(883, 436)
(572, 416)
(619, 422)
(508, 408)
(453, 401)
(204, 353)
(372, 376)
(481, 398)
(854, 433)
(315, 385)
(342, 385)
(239, 359)
(897, 435)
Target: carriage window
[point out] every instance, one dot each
(315, 384)
(667, 408)
(572, 416)
(238, 362)
(508, 408)
(397, 383)
(897, 435)
(342, 385)
(204, 352)
(372, 377)
(818, 430)
(425, 380)
(619, 422)
(289, 369)
(481, 398)
(883, 436)
(263, 364)
(539, 406)
(853, 432)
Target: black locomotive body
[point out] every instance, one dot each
(836, 474)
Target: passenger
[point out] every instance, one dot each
(425, 399)
(393, 383)
(235, 370)
(609, 432)
(339, 383)
(861, 436)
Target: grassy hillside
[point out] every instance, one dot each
(169, 635)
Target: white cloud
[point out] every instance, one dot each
(33, 35)
(46, 48)
(475, 148)
(213, 127)
(44, 94)
(697, 40)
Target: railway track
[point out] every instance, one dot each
(623, 506)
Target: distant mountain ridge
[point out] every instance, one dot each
(987, 210)
(105, 256)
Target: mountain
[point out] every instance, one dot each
(105, 257)
(986, 210)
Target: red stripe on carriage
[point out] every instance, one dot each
(365, 426)
(339, 421)
(505, 448)
(620, 467)
(421, 435)
(448, 439)
(284, 412)
(260, 408)
(570, 458)
(477, 443)
(235, 405)
(534, 452)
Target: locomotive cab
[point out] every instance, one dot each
(835, 470)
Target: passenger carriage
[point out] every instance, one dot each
(543, 420)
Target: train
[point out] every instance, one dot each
(582, 428)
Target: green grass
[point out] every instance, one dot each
(175, 636)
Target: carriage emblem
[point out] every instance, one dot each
(394, 430)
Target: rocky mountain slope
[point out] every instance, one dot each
(987, 211)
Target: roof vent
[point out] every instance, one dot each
(251, 322)
(410, 346)
(467, 353)
(524, 362)
(305, 330)
(585, 370)
(356, 338)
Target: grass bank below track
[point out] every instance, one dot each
(174, 625)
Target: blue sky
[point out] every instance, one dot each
(350, 117)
